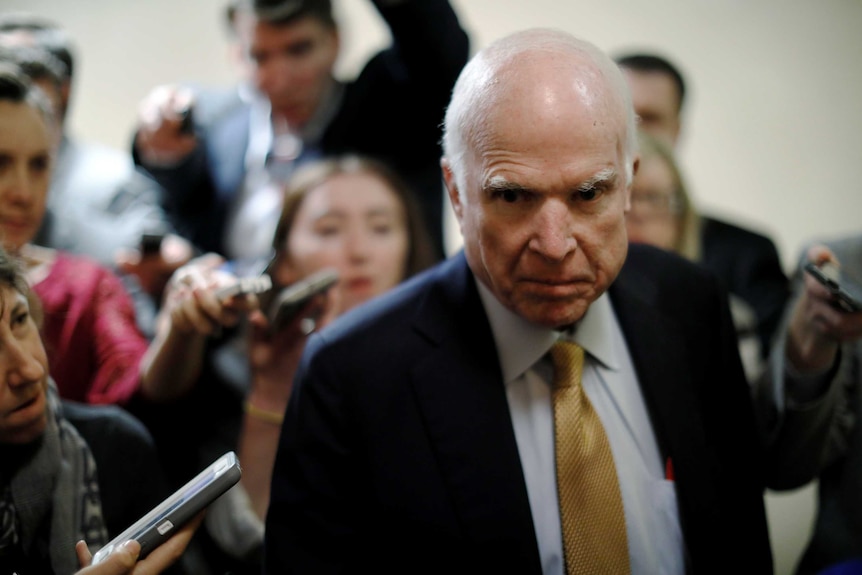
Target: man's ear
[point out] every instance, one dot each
(452, 188)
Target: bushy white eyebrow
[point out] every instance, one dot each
(606, 175)
(500, 183)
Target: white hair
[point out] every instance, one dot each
(468, 110)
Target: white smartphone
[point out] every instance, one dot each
(158, 525)
(291, 299)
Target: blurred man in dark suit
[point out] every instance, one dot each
(745, 260)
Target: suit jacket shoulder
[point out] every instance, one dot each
(399, 422)
(676, 321)
(748, 264)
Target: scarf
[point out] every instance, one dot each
(57, 477)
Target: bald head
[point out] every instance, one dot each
(539, 146)
(539, 72)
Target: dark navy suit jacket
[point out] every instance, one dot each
(748, 265)
(398, 452)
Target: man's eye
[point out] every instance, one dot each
(588, 195)
(40, 164)
(510, 196)
(301, 49)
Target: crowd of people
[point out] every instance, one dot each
(575, 390)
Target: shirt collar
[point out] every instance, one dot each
(520, 344)
(260, 122)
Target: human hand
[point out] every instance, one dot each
(162, 139)
(124, 559)
(154, 270)
(817, 327)
(274, 354)
(193, 302)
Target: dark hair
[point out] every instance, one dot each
(12, 276)
(281, 12)
(46, 34)
(654, 64)
(420, 252)
(16, 87)
(36, 63)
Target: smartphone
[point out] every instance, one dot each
(158, 525)
(846, 290)
(187, 125)
(290, 300)
(151, 244)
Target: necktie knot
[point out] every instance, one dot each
(568, 358)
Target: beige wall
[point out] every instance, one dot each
(773, 124)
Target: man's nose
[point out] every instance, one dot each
(277, 75)
(553, 236)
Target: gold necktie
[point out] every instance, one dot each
(591, 507)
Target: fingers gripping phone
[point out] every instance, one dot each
(290, 300)
(165, 519)
(846, 291)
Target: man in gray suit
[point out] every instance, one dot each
(223, 172)
(809, 405)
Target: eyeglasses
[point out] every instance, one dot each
(656, 203)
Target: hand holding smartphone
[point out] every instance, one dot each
(845, 290)
(165, 519)
(290, 300)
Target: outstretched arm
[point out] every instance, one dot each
(799, 399)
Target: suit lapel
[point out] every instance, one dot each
(658, 347)
(460, 392)
(228, 144)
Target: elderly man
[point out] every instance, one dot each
(550, 400)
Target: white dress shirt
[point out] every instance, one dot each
(273, 150)
(609, 380)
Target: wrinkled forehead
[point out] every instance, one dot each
(550, 112)
(539, 91)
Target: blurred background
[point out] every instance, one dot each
(772, 128)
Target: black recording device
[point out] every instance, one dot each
(846, 290)
(185, 115)
(290, 300)
(151, 244)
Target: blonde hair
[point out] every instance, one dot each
(688, 241)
